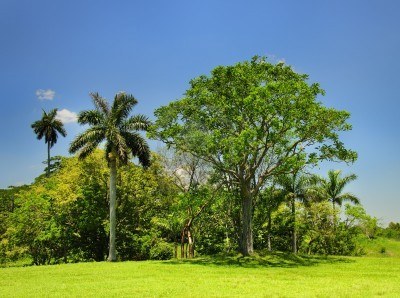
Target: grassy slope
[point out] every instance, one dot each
(273, 276)
(381, 247)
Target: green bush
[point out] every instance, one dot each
(162, 251)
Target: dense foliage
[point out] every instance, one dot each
(64, 218)
(251, 122)
(231, 180)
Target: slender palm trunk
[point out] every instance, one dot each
(247, 231)
(113, 202)
(294, 234)
(333, 214)
(48, 159)
(269, 232)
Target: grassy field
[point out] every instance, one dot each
(277, 275)
(381, 247)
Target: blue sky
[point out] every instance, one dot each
(53, 53)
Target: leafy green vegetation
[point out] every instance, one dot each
(113, 125)
(252, 122)
(270, 276)
(235, 177)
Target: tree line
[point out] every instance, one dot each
(235, 176)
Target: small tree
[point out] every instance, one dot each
(331, 188)
(295, 187)
(49, 127)
(113, 125)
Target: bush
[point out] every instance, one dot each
(162, 251)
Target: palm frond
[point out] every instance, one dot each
(138, 147)
(348, 197)
(137, 122)
(342, 182)
(59, 127)
(39, 129)
(87, 149)
(122, 106)
(331, 188)
(91, 117)
(100, 103)
(52, 114)
(92, 135)
(122, 148)
(295, 185)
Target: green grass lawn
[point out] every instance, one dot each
(278, 275)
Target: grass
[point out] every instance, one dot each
(381, 247)
(277, 275)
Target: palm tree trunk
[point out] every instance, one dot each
(190, 244)
(183, 244)
(269, 232)
(294, 235)
(48, 159)
(334, 214)
(113, 198)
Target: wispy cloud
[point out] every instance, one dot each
(45, 94)
(66, 116)
(275, 59)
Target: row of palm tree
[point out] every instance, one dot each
(112, 125)
(305, 189)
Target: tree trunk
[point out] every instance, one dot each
(269, 232)
(334, 215)
(113, 198)
(247, 231)
(176, 250)
(190, 244)
(294, 234)
(48, 159)
(183, 244)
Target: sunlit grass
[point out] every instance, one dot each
(381, 247)
(270, 276)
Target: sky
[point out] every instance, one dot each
(53, 53)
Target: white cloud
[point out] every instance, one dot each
(275, 59)
(45, 94)
(66, 116)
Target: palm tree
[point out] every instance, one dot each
(120, 132)
(295, 187)
(331, 189)
(48, 127)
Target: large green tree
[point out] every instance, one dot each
(49, 127)
(113, 125)
(252, 121)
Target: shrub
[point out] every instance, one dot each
(161, 251)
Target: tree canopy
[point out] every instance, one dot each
(49, 127)
(251, 121)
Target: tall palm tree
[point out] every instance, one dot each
(122, 141)
(295, 187)
(331, 189)
(49, 127)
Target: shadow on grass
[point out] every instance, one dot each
(270, 259)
